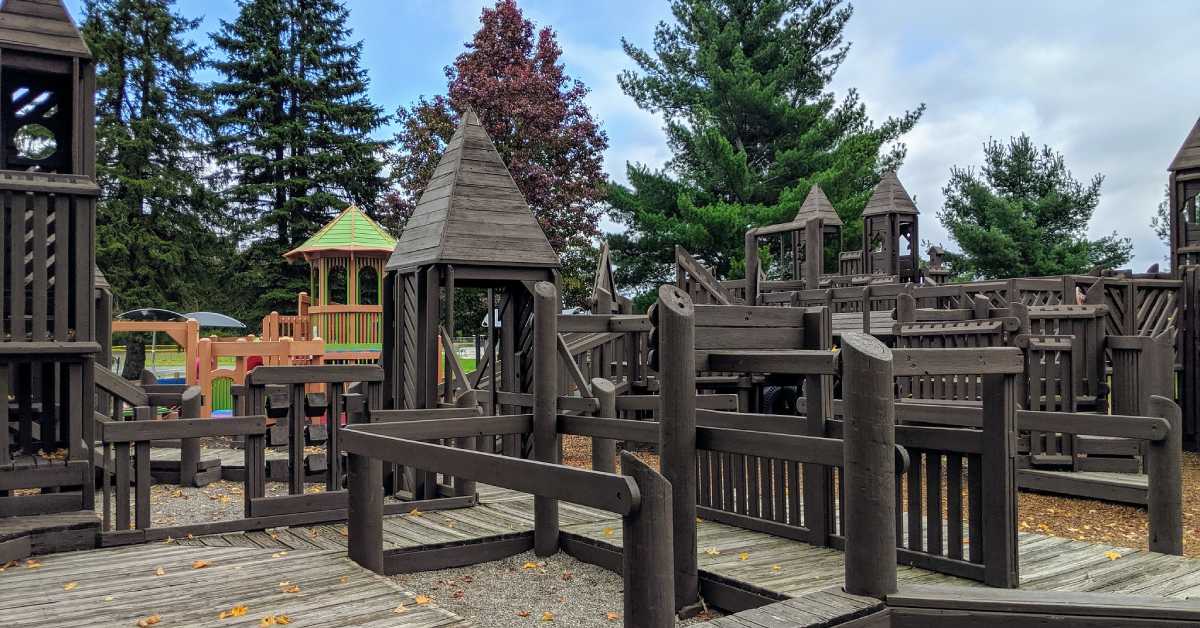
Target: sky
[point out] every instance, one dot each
(1109, 84)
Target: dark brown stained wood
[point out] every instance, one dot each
(653, 403)
(676, 320)
(134, 431)
(451, 428)
(782, 361)
(472, 212)
(869, 470)
(648, 552)
(911, 361)
(604, 452)
(268, 375)
(40, 26)
(889, 196)
(1063, 603)
(600, 427)
(455, 554)
(795, 448)
(999, 494)
(547, 444)
(590, 488)
(1188, 155)
(1164, 466)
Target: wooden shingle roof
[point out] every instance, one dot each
(471, 212)
(890, 197)
(42, 26)
(1189, 153)
(351, 232)
(817, 205)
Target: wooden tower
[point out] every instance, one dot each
(346, 259)
(48, 341)
(815, 228)
(1184, 190)
(471, 228)
(890, 235)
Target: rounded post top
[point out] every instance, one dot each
(866, 345)
(604, 385)
(545, 289)
(675, 300)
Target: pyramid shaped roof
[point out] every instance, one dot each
(351, 232)
(817, 205)
(471, 212)
(42, 26)
(1189, 153)
(890, 197)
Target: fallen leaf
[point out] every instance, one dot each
(712, 551)
(108, 598)
(400, 609)
(279, 554)
(148, 621)
(159, 571)
(458, 595)
(70, 586)
(547, 616)
(567, 575)
(344, 531)
(529, 565)
(608, 531)
(236, 611)
(199, 564)
(744, 556)
(1111, 555)
(414, 512)
(775, 567)
(289, 588)
(32, 564)
(168, 541)
(522, 613)
(422, 600)
(344, 579)
(612, 616)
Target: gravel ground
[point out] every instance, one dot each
(172, 505)
(525, 590)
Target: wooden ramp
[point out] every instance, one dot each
(1125, 488)
(119, 587)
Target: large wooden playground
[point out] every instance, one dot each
(860, 420)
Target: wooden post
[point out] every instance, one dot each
(751, 267)
(818, 392)
(1164, 470)
(869, 441)
(189, 448)
(365, 484)
(545, 410)
(677, 432)
(604, 453)
(464, 486)
(906, 308)
(649, 585)
(1000, 480)
(814, 254)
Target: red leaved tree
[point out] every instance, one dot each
(535, 114)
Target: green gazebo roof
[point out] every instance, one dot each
(352, 232)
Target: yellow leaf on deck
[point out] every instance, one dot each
(291, 588)
(32, 564)
(236, 611)
(344, 531)
(1111, 555)
(400, 609)
(149, 621)
(159, 571)
(744, 556)
(775, 568)
(608, 531)
(422, 600)
(70, 586)
(199, 564)
(712, 551)
(414, 512)
(547, 616)
(108, 598)
(344, 579)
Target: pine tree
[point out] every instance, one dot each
(1024, 215)
(538, 120)
(157, 220)
(293, 135)
(743, 86)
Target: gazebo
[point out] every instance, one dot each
(471, 228)
(890, 231)
(346, 259)
(814, 233)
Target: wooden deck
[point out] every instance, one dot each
(785, 567)
(881, 323)
(120, 586)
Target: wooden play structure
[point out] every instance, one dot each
(883, 493)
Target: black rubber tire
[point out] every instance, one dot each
(779, 400)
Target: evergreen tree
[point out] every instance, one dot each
(743, 85)
(157, 221)
(1025, 215)
(536, 116)
(293, 136)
